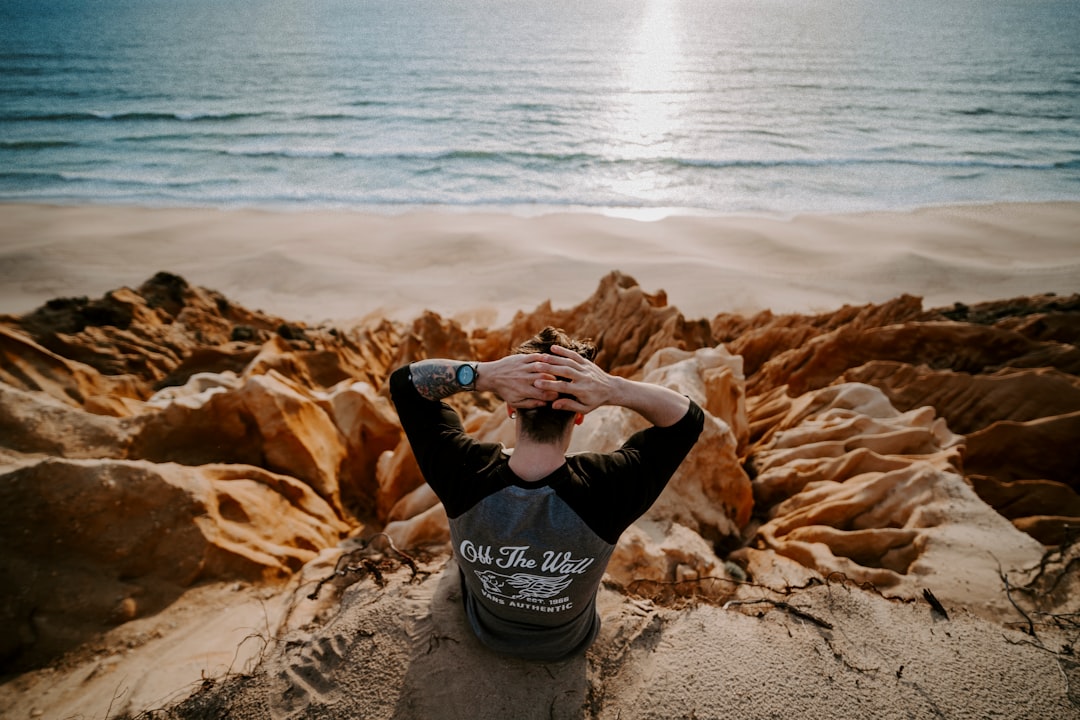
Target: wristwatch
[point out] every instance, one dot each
(466, 375)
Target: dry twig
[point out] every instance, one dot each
(787, 607)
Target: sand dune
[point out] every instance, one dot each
(338, 265)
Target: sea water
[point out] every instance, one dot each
(621, 106)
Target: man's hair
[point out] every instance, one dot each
(545, 424)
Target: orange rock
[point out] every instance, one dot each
(967, 348)
(116, 538)
(397, 475)
(1010, 450)
(26, 365)
(1044, 509)
(268, 422)
(431, 527)
(145, 332)
(418, 501)
(666, 561)
(970, 402)
(627, 324)
(369, 426)
(855, 489)
(765, 336)
(34, 422)
(433, 337)
(713, 377)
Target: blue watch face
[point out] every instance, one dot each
(466, 375)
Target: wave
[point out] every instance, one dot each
(524, 158)
(478, 156)
(848, 162)
(292, 146)
(1025, 114)
(15, 145)
(195, 116)
(31, 177)
(126, 116)
(27, 178)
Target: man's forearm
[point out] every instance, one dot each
(436, 379)
(659, 405)
(513, 378)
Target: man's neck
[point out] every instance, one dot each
(532, 461)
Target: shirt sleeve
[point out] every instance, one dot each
(451, 462)
(613, 490)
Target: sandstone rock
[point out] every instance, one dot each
(116, 539)
(1052, 327)
(664, 562)
(861, 491)
(397, 475)
(145, 332)
(1010, 450)
(433, 337)
(196, 391)
(627, 324)
(431, 527)
(166, 330)
(26, 365)
(765, 336)
(1013, 312)
(375, 346)
(35, 422)
(419, 500)
(786, 479)
(268, 422)
(970, 402)
(309, 368)
(231, 359)
(369, 426)
(963, 348)
(1044, 509)
(298, 437)
(716, 382)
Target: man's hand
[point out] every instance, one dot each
(590, 388)
(515, 379)
(588, 385)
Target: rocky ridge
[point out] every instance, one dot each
(162, 437)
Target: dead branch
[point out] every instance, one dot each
(406, 559)
(1008, 594)
(357, 562)
(1055, 555)
(787, 607)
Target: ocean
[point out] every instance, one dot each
(632, 107)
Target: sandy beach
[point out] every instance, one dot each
(340, 266)
(817, 613)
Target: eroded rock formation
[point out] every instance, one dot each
(162, 436)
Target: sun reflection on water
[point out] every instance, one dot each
(646, 114)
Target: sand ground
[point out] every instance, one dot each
(341, 266)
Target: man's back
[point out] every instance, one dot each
(532, 553)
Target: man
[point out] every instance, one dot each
(533, 529)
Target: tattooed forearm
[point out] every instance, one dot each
(435, 379)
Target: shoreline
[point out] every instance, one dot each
(481, 268)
